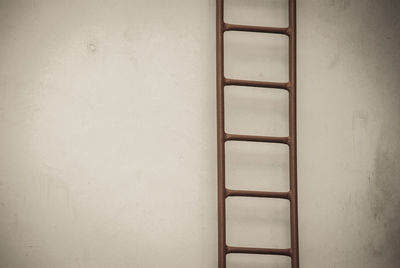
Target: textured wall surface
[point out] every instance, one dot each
(108, 133)
(349, 124)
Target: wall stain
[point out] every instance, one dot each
(92, 47)
(384, 198)
(341, 4)
(359, 129)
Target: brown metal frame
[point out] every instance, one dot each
(223, 193)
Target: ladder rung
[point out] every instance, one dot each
(257, 29)
(249, 83)
(235, 137)
(267, 251)
(245, 193)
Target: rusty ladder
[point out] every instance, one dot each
(223, 137)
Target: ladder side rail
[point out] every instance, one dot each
(293, 135)
(221, 136)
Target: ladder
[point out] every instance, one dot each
(223, 137)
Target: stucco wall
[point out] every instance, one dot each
(108, 133)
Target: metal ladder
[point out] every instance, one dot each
(223, 137)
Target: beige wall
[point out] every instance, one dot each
(108, 133)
